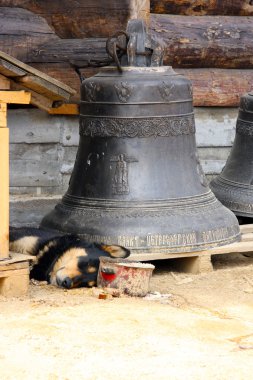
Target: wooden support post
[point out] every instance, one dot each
(4, 183)
(194, 265)
(21, 97)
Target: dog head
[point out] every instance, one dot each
(78, 266)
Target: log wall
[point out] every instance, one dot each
(195, 44)
(83, 18)
(203, 7)
(210, 41)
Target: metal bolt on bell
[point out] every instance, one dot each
(137, 179)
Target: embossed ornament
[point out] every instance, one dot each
(244, 128)
(166, 90)
(124, 91)
(91, 89)
(132, 127)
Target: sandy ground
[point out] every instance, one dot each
(200, 328)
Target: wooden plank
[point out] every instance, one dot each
(32, 126)
(10, 70)
(203, 7)
(38, 100)
(3, 115)
(6, 268)
(210, 41)
(30, 210)
(33, 173)
(65, 73)
(4, 190)
(82, 18)
(78, 51)
(71, 135)
(16, 258)
(43, 87)
(193, 265)
(4, 83)
(65, 109)
(246, 228)
(191, 41)
(241, 247)
(213, 153)
(11, 271)
(215, 127)
(248, 237)
(15, 284)
(39, 152)
(16, 97)
(218, 87)
(68, 91)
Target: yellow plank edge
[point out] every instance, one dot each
(246, 228)
(4, 83)
(3, 115)
(13, 272)
(16, 97)
(65, 109)
(4, 193)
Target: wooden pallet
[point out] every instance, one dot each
(14, 275)
(200, 261)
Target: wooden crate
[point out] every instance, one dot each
(200, 261)
(14, 275)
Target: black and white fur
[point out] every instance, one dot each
(63, 260)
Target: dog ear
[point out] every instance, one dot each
(92, 266)
(116, 251)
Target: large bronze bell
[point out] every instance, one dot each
(137, 179)
(234, 186)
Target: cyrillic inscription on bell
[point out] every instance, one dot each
(234, 186)
(137, 179)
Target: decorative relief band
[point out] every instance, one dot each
(244, 127)
(132, 127)
(233, 196)
(118, 213)
(247, 208)
(176, 241)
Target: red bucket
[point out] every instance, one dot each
(129, 277)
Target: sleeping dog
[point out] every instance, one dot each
(63, 260)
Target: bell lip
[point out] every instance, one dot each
(198, 247)
(237, 197)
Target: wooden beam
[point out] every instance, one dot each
(3, 115)
(210, 41)
(37, 100)
(203, 7)
(4, 183)
(42, 87)
(65, 109)
(78, 19)
(14, 65)
(10, 70)
(4, 83)
(15, 97)
(218, 87)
